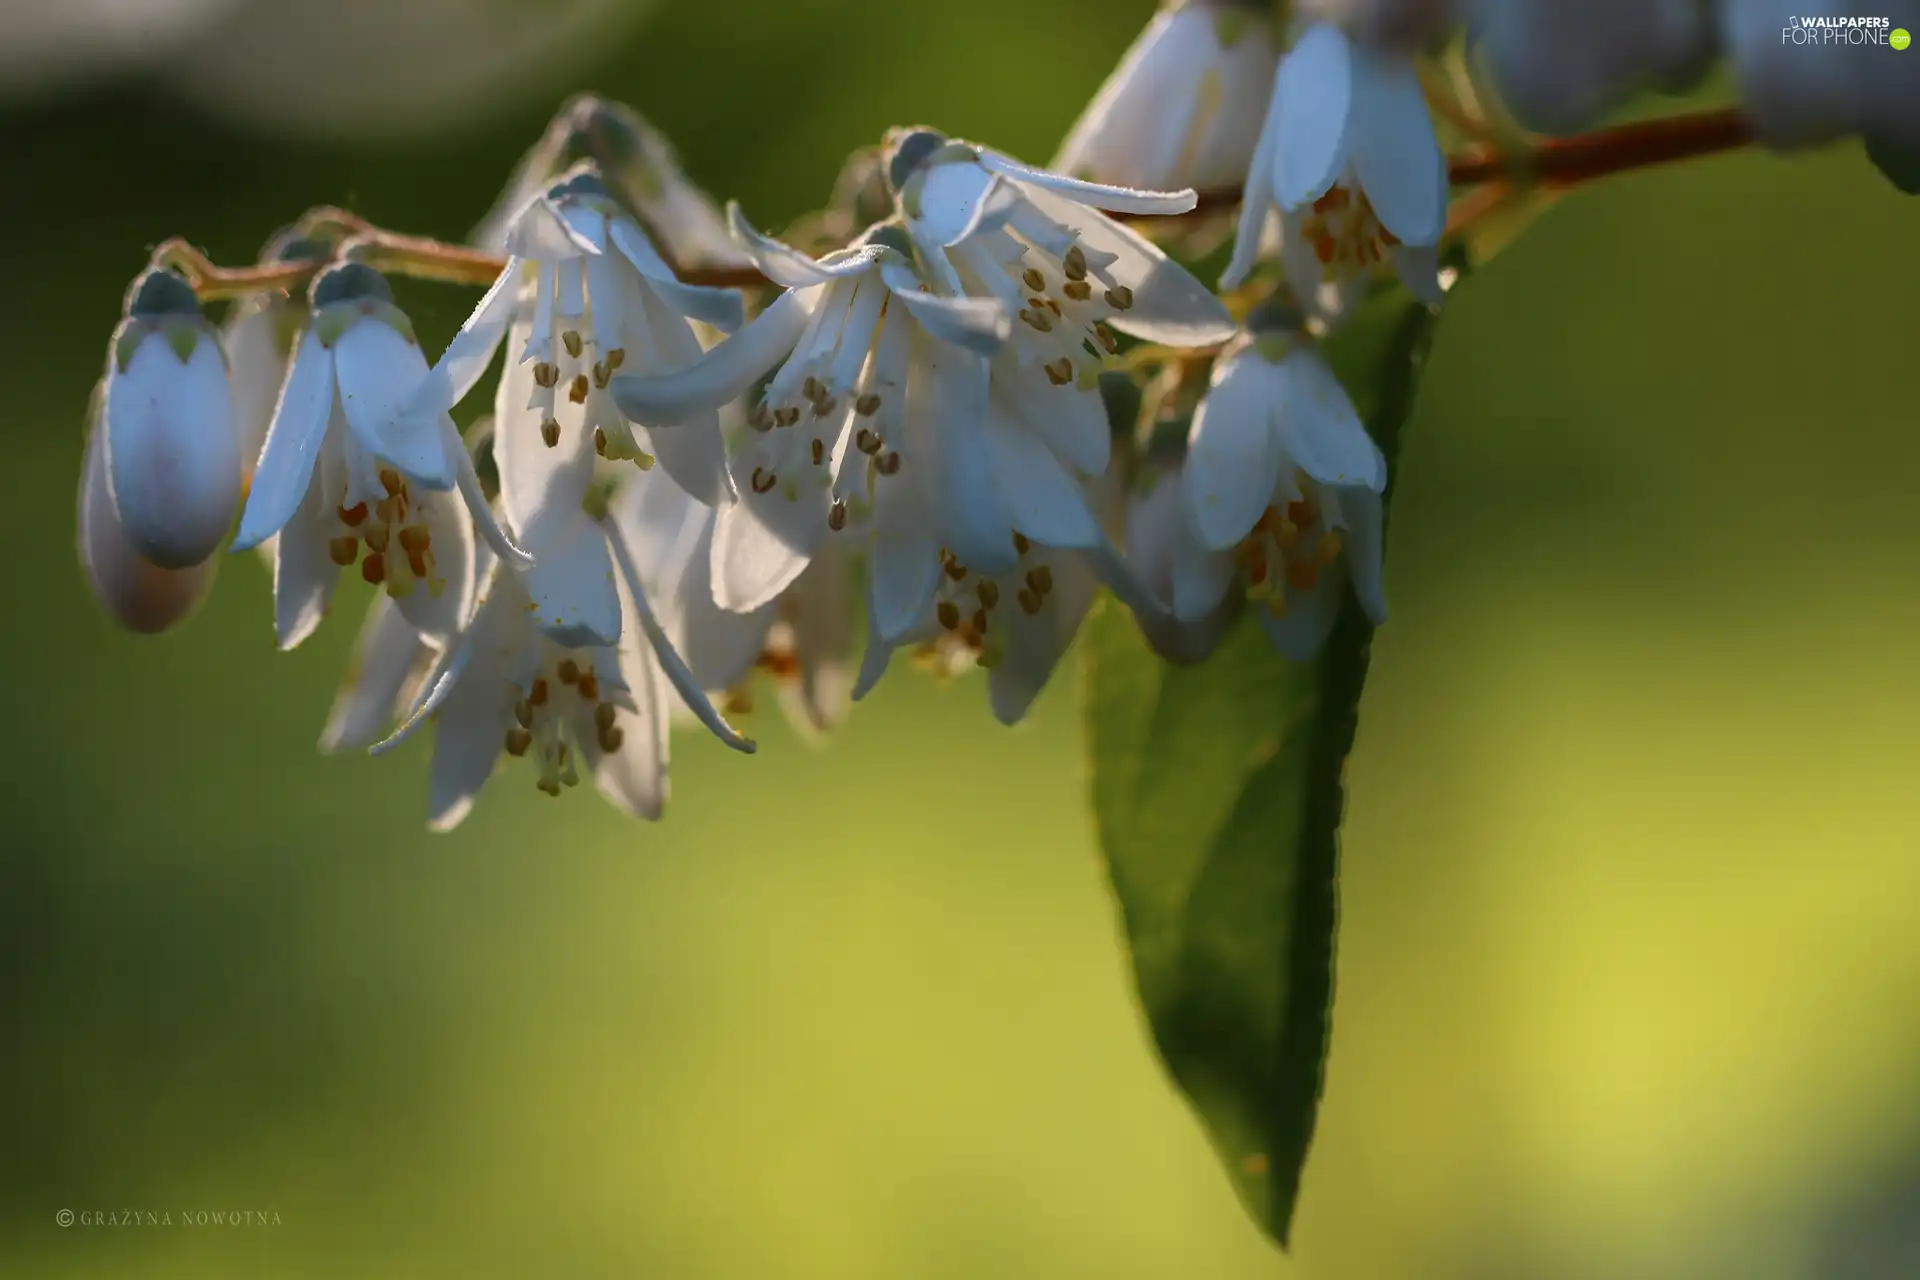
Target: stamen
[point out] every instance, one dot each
(353, 516)
(1120, 298)
(1060, 372)
(819, 451)
(571, 341)
(538, 694)
(577, 392)
(763, 480)
(616, 357)
(603, 716)
(1075, 263)
(949, 615)
(989, 592)
(600, 441)
(374, 568)
(518, 740)
(837, 516)
(376, 536)
(390, 481)
(343, 551)
(866, 442)
(1030, 603)
(523, 712)
(590, 687)
(1078, 290)
(568, 671)
(887, 464)
(868, 405)
(1034, 280)
(546, 376)
(1020, 544)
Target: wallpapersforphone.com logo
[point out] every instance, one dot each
(211, 1218)
(1833, 31)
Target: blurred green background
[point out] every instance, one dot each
(1630, 973)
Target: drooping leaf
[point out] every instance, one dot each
(1218, 792)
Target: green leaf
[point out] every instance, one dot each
(1218, 793)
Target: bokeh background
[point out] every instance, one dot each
(1630, 972)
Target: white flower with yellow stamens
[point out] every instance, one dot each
(168, 444)
(878, 422)
(1184, 107)
(1282, 488)
(585, 295)
(1350, 158)
(341, 473)
(571, 704)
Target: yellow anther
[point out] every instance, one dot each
(867, 405)
(577, 391)
(550, 433)
(571, 341)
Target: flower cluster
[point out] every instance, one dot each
(710, 450)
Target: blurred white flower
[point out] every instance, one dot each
(139, 594)
(1350, 158)
(1184, 107)
(169, 445)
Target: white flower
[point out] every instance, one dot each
(879, 420)
(341, 471)
(389, 667)
(1015, 625)
(1349, 156)
(259, 336)
(1040, 243)
(1183, 108)
(139, 594)
(1561, 66)
(170, 448)
(505, 684)
(1282, 489)
(1158, 543)
(585, 295)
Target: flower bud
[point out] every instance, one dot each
(140, 595)
(172, 451)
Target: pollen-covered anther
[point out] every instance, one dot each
(1110, 343)
(989, 592)
(1020, 544)
(866, 442)
(603, 716)
(1120, 298)
(577, 391)
(1030, 600)
(602, 375)
(812, 389)
(1040, 578)
(616, 357)
(867, 405)
(600, 441)
(546, 375)
(818, 451)
(1034, 280)
(1039, 321)
(353, 517)
(343, 551)
(763, 480)
(1060, 372)
(1078, 290)
(949, 615)
(377, 536)
(568, 671)
(550, 433)
(518, 741)
(572, 342)
(952, 566)
(1075, 263)
(887, 464)
(786, 417)
(374, 568)
(589, 686)
(538, 694)
(760, 418)
(837, 516)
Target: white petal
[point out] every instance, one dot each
(691, 450)
(571, 584)
(820, 610)
(1093, 194)
(1321, 429)
(661, 524)
(172, 451)
(978, 324)
(378, 371)
(303, 572)
(1314, 95)
(1072, 422)
(720, 646)
(787, 266)
(691, 695)
(258, 366)
(722, 308)
(1301, 632)
(1395, 153)
(542, 233)
(1156, 77)
(1201, 579)
(471, 351)
(1418, 267)
(538, 485)
(763, 542)
(141, 596)
(905, 568)
(723, 373)
(948, 199)
(634, 778)
(1038, 495)
(438, 607)
(475, 498)
(946, 433)
(1256, 199)
(1169, 304)
(385, 658)
(1035, 644)
(285, 472)
(1233, 456)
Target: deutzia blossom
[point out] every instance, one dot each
(169, 446)
(1183, 108)
(570, 705)
(1349, 156)
(1282, 487)
(585, 294)
(341, 473)
(877, 418)
(139, 594)
(259, 336)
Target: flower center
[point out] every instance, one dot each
(1345, 234)
(399, 545)
(1063, 293)
(968, 603)
(1287, 550)
(547, 718)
